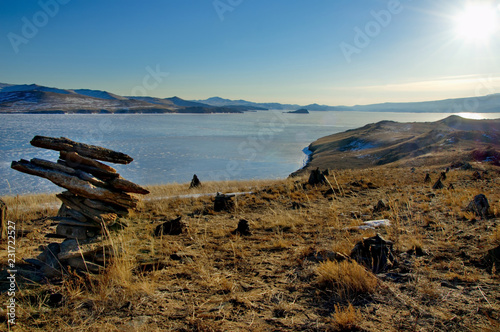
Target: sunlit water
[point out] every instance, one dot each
(172, 147)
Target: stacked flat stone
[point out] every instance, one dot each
(96, 197)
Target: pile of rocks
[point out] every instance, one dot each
(95, 199)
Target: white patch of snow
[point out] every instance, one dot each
(371, 224)
(357, 145)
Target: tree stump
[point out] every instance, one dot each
(427, 178)
(195, 182)
(375, 253)
(171, 227)
(317, 177)
(243, 228)
(438, 185)
(223, 203)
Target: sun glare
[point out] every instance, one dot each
(473, 116)
(477, 22)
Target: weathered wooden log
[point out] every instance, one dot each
(76, 232)
(72, 248)
(51, 165)
(89, 178)
(77, 203)
(97, 172)
(3, 220)
(69, 170)
(127, 186)
(84, 265)
(85, 150)
(73, 222)
(74, 159)
(66, 212)
(76, 185)
(106, 207)
(111, 181)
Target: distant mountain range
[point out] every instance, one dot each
(34, 98)
(41, 99)
(483, 104)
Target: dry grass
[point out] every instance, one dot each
(346, 319)
(346, 278)
(208, 279)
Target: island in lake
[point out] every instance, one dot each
(299, 111)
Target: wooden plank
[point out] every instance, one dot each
(75, 232)
(106, 207)
(85, 150)
(73, 222)
(77, 203)
(97, 172)
(128, 186)
(74, 160)
(75, 249)
(52, 165)
(76, 185)
(69, 170)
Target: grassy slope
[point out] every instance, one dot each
(388, 142)
(210, 280)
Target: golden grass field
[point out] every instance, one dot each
(208, 279)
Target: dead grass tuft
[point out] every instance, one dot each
(346, 278)
(346, 319)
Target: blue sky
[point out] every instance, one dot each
(284, 51)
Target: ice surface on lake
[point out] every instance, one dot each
(171, 148)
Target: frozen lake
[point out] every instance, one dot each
(172, 147)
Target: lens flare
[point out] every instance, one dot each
(477, 22)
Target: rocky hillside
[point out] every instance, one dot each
(392, 143)
(40, 99)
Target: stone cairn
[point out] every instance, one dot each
(95, 199)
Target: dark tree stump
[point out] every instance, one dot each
(195, 182)
(427, 178)
(438, 185)
(317, 177)
(243, 228)
(171, 227)
(223, 203)
(375, 253)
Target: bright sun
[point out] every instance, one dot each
(477, 22)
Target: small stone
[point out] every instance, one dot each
(492, 259)
(479, 206)
(380, 207)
